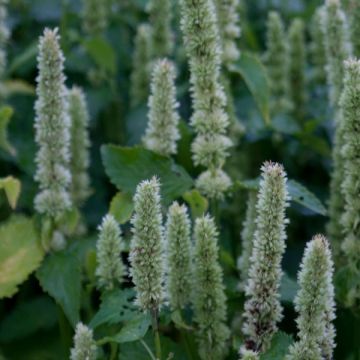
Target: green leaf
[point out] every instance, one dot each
(6, 112)
(28, 56)
(12, 188)
(288, 288)
(303, 196)
(39, 314)
(127, 167)
(279, 347)
(254, 74)
(20, 253)
(298, 193)
(121, 207)
(198, 204)
(178, 320)
(18, 87)
(102, 53)
(60, 277)
(116, 306)
(133, 329)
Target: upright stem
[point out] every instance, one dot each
(214, 204)
(65, 331)
(155, 326)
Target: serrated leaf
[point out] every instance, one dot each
(288, 288)
(102, 53)
(116, 306)
(254, 74)
(39, 314)
(198, 204)
(12, 188)
(279, 347)
(60, 277)
(20, 254)
(121, 207)
(6, 112)
(127, 167)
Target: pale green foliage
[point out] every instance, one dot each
(79, 145)
(317, 47)
(350, 108)
(355, 26)
(247, 239)
(95, 16)
(140, 76)
(228, 21)
(162, 131)
(315, 304)
(52, 125)
(337, 47)
(110, 269)
(297, 55)
(4, 35)
(160, 21)
(179, 253)
(277, 63)
(210, 147)
(147, 246)
(248, 354)
(262, 308)
(84, 344)
(208, 296)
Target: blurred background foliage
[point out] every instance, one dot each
(102, 67)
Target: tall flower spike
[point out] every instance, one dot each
(179, 253)
(79, 145)
(277, 63)
(52, 125)
(110, 269)
(262, 308)
(228, 20)
(208, 296)
(317, 47)
(140, 76)
(4, 36)
(355, 26)
(202, 43)
(247, 239)
(337, 45)
(95, 16)
(314, 303)
(350, 108)
(162, 132)
(84, 344)
(297, 55)
(160, 20)
(147, 246)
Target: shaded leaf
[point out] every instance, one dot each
(198, 204)
(121, 207)
(254, 74)
(127, 167)
(6, 112)
(12, 188)
(178, 320)
(20, 253)
(102, 53)
(288, 288)
(279, 347)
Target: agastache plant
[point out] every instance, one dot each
(110, 269)
(297, 56)
(179, 256)
(162, 131)
(350, 108)
(209, 298)
(315, 304)
(262, 308)
(84, 344)
(160, 21)
(277, 63)
(79, 145)
(317, 46)
(4, 36)
(140, 76)
(209, 119)
(228, 21)
(248, 355)
(52, 126)
(247, 239)
(95, 16)
(355, 26)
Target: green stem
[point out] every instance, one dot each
(214, 205)
(147, 349)
(155, 326)
(65, 331)
(113, 350)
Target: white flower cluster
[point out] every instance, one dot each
(84, 344)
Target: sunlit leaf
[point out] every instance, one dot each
(12, 188)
